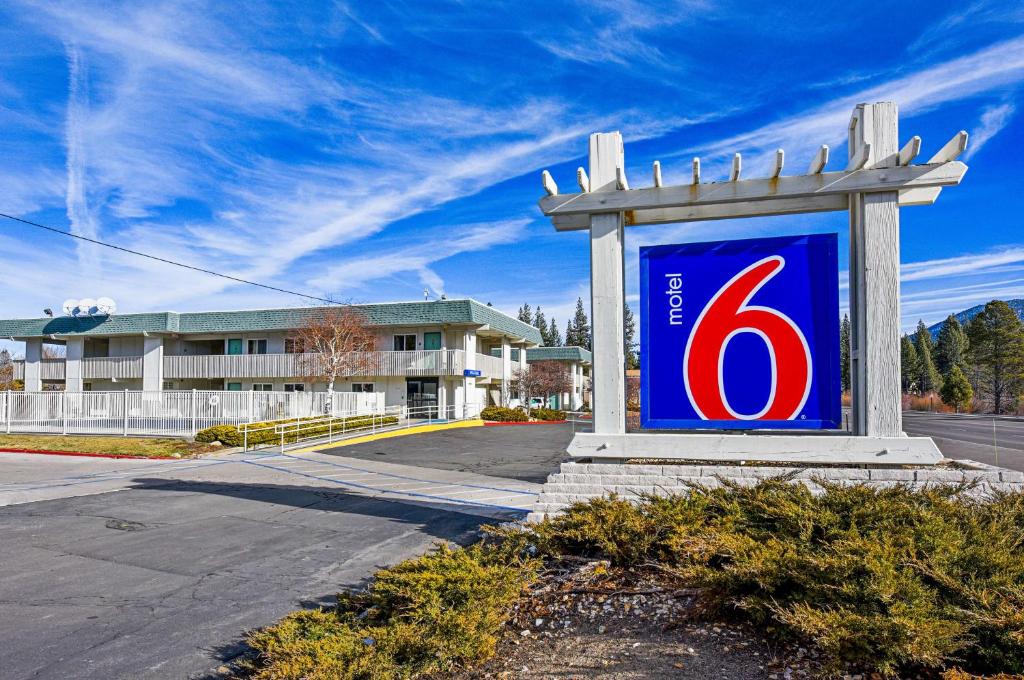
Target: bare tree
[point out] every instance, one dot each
(541, 379)
(335, 342)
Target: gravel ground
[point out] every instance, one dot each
(585, 623)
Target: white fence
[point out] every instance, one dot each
(168, 413)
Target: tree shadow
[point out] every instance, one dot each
(414, 509)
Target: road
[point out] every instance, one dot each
(997, 441)
(156, 569)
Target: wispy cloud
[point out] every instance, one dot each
(427, 249)
(993, 119)
(977, 264)
(952, 80)
(82, 221)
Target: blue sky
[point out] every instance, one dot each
(368, 150)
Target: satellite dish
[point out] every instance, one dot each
(105, 306)
(86, 307)
(69, 306)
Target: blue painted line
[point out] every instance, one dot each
(413, 479)
(373, 488)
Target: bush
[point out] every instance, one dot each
(501, 414)
(883, 579)
(263, 433)
(547, 414)
(426, 615)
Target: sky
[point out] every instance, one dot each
(368, 151)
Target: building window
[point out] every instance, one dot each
(405, 343)
(234, 345)
(294, 346)
(258, 346)
(168, 385)
(362, 387)
(234, 387)
(294, 387)
(262, 387)
(87, 387)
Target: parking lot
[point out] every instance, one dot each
(156, 569)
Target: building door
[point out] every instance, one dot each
(421, 394)
(431, 341)
(234, 345)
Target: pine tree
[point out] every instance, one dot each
(541, 324)
(570, 334)
(844, 353)
(525, 315)
(554, 335)
(956, 389)
(928, 379)
(951, 348)
(629, 335)
(996, 338)
(908, 364)
(581, 326)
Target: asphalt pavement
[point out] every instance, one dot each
(523, 452)
(157, 569)
(986, 439)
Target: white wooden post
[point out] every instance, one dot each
(875, 280)
(607, 292)
(192, 410)
(8, 411)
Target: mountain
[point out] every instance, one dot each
(968, 314)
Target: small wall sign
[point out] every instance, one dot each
(471, 373)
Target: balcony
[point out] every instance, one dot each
(370, 364)
(449, 362)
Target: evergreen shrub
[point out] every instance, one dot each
(549, 414)
(430, 614)
(501, 414)
(883, 579)
(263, 432)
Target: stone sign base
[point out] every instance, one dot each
(582, 481)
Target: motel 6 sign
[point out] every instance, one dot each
(741, 334)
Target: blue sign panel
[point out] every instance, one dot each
(740, 334)
(471, 373)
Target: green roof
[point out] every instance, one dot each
(426, 313)
(559, 354)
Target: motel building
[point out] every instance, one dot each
(578, 362)
(428, 353)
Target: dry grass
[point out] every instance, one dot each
(120, 446)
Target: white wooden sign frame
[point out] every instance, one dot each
(879, 179)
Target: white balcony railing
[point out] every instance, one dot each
(449, 362)
(370, 364)
(489, 366)
(105, 368)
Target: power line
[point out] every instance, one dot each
(166, 261)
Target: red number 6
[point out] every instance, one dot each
(726, 315)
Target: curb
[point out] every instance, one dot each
(535, 422)
(83, 454)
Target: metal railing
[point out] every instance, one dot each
(167, 412)
(429, 362)
(309, 430)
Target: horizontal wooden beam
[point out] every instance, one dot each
(756, 190)
(726, 211)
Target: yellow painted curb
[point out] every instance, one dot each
(393, 433)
